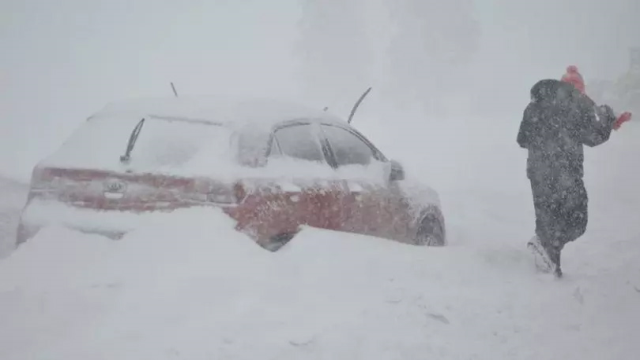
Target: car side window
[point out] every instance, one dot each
(298, 141)
(348, 148)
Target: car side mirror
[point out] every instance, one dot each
(397, 171)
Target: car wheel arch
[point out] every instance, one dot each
(430, 223)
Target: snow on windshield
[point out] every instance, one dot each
(162, 145)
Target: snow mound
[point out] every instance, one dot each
(13, 195)
(196, 289)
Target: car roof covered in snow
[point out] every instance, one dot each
(225, 110)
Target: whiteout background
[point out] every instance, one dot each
(176, 291)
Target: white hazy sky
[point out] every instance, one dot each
(62, 60)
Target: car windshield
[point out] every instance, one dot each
(161, 145)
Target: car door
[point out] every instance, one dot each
(321, 195)
(374, 205)
(300, 192)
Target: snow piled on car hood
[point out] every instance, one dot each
(193, 288)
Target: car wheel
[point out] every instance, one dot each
(430, 232)
(25, 233)
(278, 241)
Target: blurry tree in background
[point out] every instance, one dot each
(432, 44)
(335, 53)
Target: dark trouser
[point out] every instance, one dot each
(561, 211)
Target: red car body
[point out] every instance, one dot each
(272, 167)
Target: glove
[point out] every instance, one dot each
(623, 118)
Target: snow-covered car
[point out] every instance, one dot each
(273, 167)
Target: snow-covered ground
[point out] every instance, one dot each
(12, 197)
(195, 289)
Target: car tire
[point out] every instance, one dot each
(25, 233)
(278, 241)
(430, 232)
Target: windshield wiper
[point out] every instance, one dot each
(132, 142)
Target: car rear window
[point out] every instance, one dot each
(162, 145)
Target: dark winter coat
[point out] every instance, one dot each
(555, 126)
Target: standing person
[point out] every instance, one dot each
(558, 121)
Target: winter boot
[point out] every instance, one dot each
(554, 251)
(542, 257)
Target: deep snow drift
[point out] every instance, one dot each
(195, 289)
(12, 197)
(178, 291)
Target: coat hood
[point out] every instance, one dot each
(552, 91)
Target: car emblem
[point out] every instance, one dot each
(114, 186)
